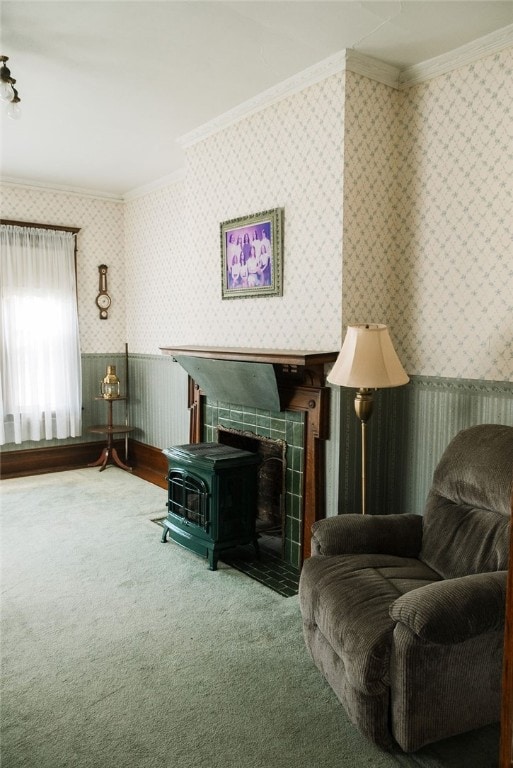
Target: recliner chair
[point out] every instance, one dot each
(404, 614)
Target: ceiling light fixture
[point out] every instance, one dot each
(8, 92)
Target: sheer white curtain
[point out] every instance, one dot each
(40, 377)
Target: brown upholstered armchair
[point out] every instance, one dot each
(404, 614)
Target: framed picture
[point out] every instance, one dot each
(251, 255)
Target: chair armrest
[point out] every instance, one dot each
(368, 534)
(454, 610)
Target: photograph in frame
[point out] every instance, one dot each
(251, 255)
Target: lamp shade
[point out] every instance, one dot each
(368, 360)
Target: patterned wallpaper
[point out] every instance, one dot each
(413, 187)
(428, 218)
(370, 194)
(289, 155)
(156, 268)
(100, 241)
(452, 291)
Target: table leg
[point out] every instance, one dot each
(118, 461)
(102, 461)
(109, 453)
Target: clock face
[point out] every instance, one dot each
(103, 301)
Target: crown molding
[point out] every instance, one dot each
(353, 61)
(347, 60)
(152, 186)
(165, 181)
(374, 69)
(459, 57)
(325, 68)
(61, 188)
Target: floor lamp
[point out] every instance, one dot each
(367, 361)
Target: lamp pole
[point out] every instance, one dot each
(363, 405)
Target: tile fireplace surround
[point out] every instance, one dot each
(300, 417)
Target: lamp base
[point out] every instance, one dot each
(364, 403)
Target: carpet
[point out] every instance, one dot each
(266, 567)
(119, 652)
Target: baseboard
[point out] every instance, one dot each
(148, 462)
(58, 458)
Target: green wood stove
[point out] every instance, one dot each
(212, 493)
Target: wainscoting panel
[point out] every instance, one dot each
(158, 401)
(94, 367)
(407, 434)
(157, 405)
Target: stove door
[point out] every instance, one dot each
(188, 502)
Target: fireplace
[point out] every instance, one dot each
(270, 512)
(271, 394)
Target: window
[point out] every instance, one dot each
(40, 379)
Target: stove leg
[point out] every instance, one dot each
(257, 548)
(212, 560)
(163, 538)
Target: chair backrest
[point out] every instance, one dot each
(467, 513)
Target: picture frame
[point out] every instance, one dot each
(252, 255)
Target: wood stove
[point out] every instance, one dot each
(212, 498)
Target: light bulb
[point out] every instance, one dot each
(14, 110)
(6, 91)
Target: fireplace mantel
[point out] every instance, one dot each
(301, 384)
(289, 365)
(249, 354)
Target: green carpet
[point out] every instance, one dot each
(265, 567)
(119, 651)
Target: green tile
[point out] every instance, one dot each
(278, 425)
(295, 508)
(263, 421)
(296, 483)
(298, 435)
(289, 480)
(250, 420)
(286, 426)
(295, 531)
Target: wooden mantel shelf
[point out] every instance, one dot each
(301, 381)
(249, 355)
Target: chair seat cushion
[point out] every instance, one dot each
(347, 597)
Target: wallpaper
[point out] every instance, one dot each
(290, 156)
(452, 287)
(428, 225)
(100, 241)
(397, 209)
(157, 261)
(370, 194)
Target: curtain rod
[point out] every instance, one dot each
(73, 230)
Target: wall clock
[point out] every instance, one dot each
(103, 299)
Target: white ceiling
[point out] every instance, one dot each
(108, 87)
